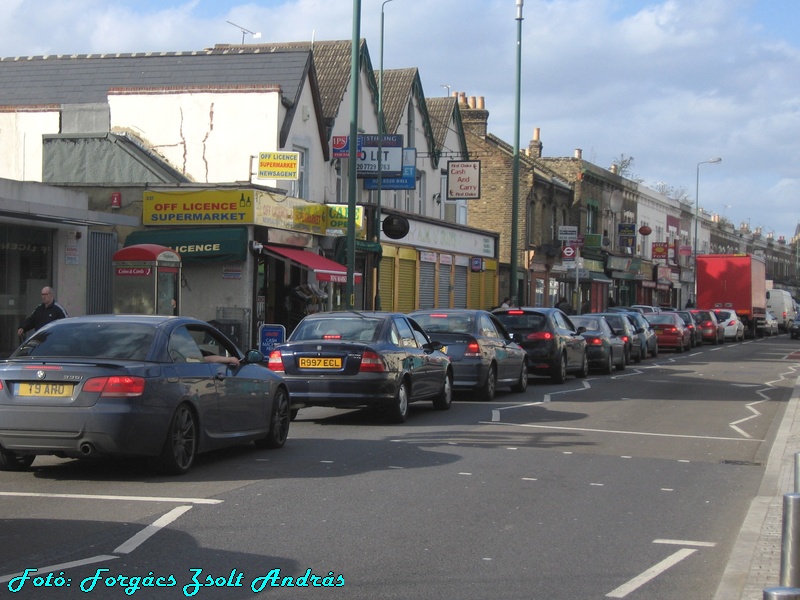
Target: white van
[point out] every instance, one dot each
(781, 304)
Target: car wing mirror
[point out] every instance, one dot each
(433, 346)
(253, 356)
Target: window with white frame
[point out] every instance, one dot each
(299, 187)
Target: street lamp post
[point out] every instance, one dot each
(697, 217)
(352, 181)
(515, 185)
(381, 132)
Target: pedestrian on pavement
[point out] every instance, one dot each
(506, 302)
(564, 306)
(47, 312)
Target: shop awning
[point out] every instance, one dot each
(324, 268)
(197, 245)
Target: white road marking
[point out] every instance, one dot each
(149, 531)
(125, 548)
(643, 433)
(685, 543)
(651, 573)
(125, 498)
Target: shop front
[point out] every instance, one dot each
(250, 256)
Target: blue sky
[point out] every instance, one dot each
(670, 83)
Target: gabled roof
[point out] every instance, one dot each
(88, 78)
(443, 112)
(399, 85)
(332, 61)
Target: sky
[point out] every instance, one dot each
(668, 83)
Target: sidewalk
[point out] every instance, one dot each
(755, 561)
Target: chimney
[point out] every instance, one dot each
(578, 153)
(474, 115)
(535, 147)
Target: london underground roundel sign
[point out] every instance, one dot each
(568, 252)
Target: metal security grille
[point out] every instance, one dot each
(489, 289)
(460, 287)
(100, 251)
(474, 290)
(427, 285)
(407, 286)
(387, 283)
(444, 286)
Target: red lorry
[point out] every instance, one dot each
(736, 281)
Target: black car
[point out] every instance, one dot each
(605, 349)
(553, 344)
(625, 326)
(134, 385)
(794, 329)
(483, 353)
(363, 359)
(696, 331)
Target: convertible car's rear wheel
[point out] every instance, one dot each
(279, 424)
(180, 447)
(11, 461)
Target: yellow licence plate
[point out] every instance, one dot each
(49, 390)
(320, 363)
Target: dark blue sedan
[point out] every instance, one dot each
(380, 360)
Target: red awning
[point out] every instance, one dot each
(324, 268)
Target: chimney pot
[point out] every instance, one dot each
(578, 153)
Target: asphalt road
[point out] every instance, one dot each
(625, 486)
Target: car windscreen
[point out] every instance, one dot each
(128, 341)
(660, 319)
(336, 328)
(590, 323)
(523, 322)
(445, 322)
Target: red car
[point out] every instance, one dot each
(671, 331)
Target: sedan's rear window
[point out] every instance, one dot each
(336, 329)
(127, 341)
(524, 322)
(445, 322)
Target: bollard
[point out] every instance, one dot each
(790, 541)
(781, 593)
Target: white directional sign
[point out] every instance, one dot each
(568, 233)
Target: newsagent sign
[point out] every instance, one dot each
(463, 179)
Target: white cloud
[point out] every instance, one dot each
(669, 82)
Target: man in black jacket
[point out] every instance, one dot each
(47, 312)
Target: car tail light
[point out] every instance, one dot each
(706, 324)
(515, 312)
(118, 385)
(671, 329)
(275, 362)
(472, 349)
(332, 336)
(626, 339)
(539, 335)
(371, 362)
(594, 341)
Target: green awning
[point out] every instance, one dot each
(197, 245)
